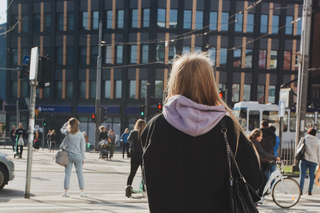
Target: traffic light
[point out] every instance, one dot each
(222, 94)
(104, 114)
(24, 72)
(44, 71)
(44, 123)
(159, 108)
(93, 118)
(142, 109)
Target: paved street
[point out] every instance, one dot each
(104, 186)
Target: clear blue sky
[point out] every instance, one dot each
(3, 14)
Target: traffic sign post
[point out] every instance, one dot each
(282, 108)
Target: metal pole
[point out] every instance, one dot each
(17, 114)
(42, 134)
(303, 72)
(280, 136)
(146, 111)
(98, 90)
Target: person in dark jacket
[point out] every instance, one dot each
(125, 142)
(185, 159)
(103, 136)
(48, 139)
(113, 144)
(22, 134)
(256, 137)
(136, 156)
(13, 138)
(36, 140)
(53, 140)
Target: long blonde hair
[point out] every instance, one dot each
(192, 76)
(73, 125)
(139, 126)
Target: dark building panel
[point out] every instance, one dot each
(131, 74)
(82, 74)
(133, 4)
(93, 74)
(200, 4)
(251, 44)
(70, 6)
(226, 6)
(144, 37)
(248, 78)
(290, 9)
(143, 74)
(252, 10)
(36, 41)
(237, 41)
(94, 39)
(162, 4)
(119, 37)
(273, 79)
(24, 9)
(276, 9)
(70, 40)
(106, 74)
(214, 5)
(94, 5)
(262, 78)
(119, 4)
(213, 41)
(263, 44)
(47, 7)
(117, 74)
(59, 41)
(288, 45)
(174, 4)
(159, 74)
(199, 41)
(224, 41)
(188, 4)
(58, 74)
(83, 5)
(132, 37)
(108, 4)
(59, 8)
(223, 77)
(24, 42)
(14, 9)
(236, 77)
(265, 8)
(275, 44)
(69, 75)
(36, 8)
(239, 6)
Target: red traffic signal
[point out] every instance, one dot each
(159, 108)
(93, 118)
(220, 94)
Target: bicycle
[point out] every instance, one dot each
(285, 191)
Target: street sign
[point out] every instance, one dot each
(26, 59)
(34, 63)
(281, 108)
(36, 127)
(41, 129)
(287, 96)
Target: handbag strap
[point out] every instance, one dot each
(230, 155)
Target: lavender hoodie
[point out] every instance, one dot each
(190, 117)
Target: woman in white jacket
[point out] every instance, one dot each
(75, 146)
(310, 160)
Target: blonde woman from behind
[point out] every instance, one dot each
(75, 147)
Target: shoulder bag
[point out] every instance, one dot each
(61, 157)
(301, 149)
(242, 196)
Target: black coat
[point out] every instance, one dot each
(268, 141)
(136, 144)
(190, 174)
(103, 135)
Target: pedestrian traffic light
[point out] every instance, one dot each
(222, 94)
(104, 114)
(159, 108)
(142, 108)
(24, 71)
(44, 71)
(93, 118)
(44, 123)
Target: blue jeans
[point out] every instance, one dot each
(75, 159)
(303, 166)
(13, 142)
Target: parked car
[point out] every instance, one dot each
(6, 170)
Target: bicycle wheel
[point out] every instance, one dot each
(286, 193)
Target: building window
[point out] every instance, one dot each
(237, 58)
(70, 55)
(59, 55)
(82, 89)
(225, 22)
(109, 17)
(24, 88)
(108, 54)
(118, 89)
(46, 50)
(223, 57)
(134, 18)
(275, 24)
(238, 23)
(173, 18)
(199, 20)
(120, 18)
(59, 22)
(145, 53)
(69, 89)
(83, 55)
(160, 53)
(132, 89)
(58, 89)
(186, 49)
(107, 87)
(246, 92)
(92, 89)
(250, 23)
(36, 22)
(272, 94)
(260, 94)
(13, 89)
(25, 23)
(161, 18)
(146, 17)
(299, 26)
(47, 92)
(172, 53)
(212, 55)
(264, 23)
(287, 60)
(289, 26)
(14, 57)
(94, 54)
(14, 20)
(25, 52)
(235, 92)
(248, 58)
(273, 59)
(84, 19)
(187, 17)
(70, 21)
(262, 59)
(158, 89)
(213, 21)
(95, 20)
(143, 88)
(119, 54)
(133, 55)
(47, 22)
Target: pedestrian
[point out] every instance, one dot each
(36, 140)
(185, 157)
(75, 146)
(48, 139)
(256, 137)
(12, 137)
(112, 138)
(103, 136)
(136, 155)
(125, 142)
(22, 133)
(310, 160)
(86, 138)
(275, 149)
(53, 140)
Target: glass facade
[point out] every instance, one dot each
(199, 20)
(187, 17)
(161, 18)
(213, 21)
(108, 18)
(173, 18)
(134, 18)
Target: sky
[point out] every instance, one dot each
(3, 14)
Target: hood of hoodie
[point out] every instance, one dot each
(190, 117)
